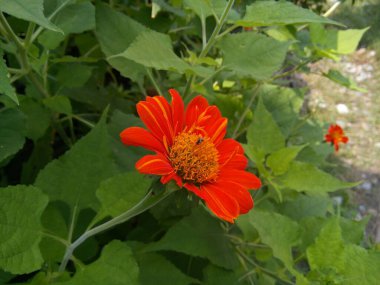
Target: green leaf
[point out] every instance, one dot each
(353, 231)
(273, 13)
(336, 41)
(199, 235)
(121, 192)
(72, 19)
(264, 134)
(154, 50)
(5, 84)
(337, 77)
(115, 32)
(361, 266)
(284, 104)
(54, 223)
(74, 177)
(280, 160)
(59, 104)
(116, 266)
(12, 132)
(215, 275)
(206, 8)
(76, 18)
(21, 208)
(304, 206)
(327, 251)
(37, 118)
(253, 55)
(155, 269)
(306, 177)
(278, 232)
(31, 10)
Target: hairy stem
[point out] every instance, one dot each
(146, 203)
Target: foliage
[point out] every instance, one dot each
(71, 72)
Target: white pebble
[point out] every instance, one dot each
(342, 109)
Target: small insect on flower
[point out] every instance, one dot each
(200, 140)
(190, 149)
(335, 136)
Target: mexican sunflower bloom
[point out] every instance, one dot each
(190, 149)
(335, 135)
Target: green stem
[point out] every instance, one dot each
(150, 76)
(146, 203)
(11, 35)
(61, 240)
(246, 111)
(210, 42)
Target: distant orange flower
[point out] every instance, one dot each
(191, 150)
(335, 135)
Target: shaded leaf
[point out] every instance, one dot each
(115, 266)
(59, 104)
(199, 235)
(155, 269)
(278, 232)
(76, 175)
(21, 231)
(215, 275)
(121, 192)
(12, 132)
(5, 84)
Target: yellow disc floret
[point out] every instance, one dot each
(194, 158)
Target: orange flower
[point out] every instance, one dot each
(335, 135)
(191, 150)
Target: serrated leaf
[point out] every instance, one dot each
(59, 104)
(280, 160)
(263, 134)
(353, 231)
(115, 32)
(115, 266)
(121, 192)
(199, 235)
(278, 232)
(253, 55)
(155, 269)
(74, 74)
(273, 13)
(337, 77)
(304, 206)
(12, 132)
(328, 248)
(75, 176)
(361, 266)
(20, 228)
(31, 10)
(306, 177)
(5, 84)
(152, 49)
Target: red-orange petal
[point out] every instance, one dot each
(172, 176)
(220, 203)
(178, 111)
(154, 164)
(238, 192)
(155, 121)
(231, 154)
(194, 109)
(137, 136)
(244, 178)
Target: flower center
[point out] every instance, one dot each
(194, 158)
